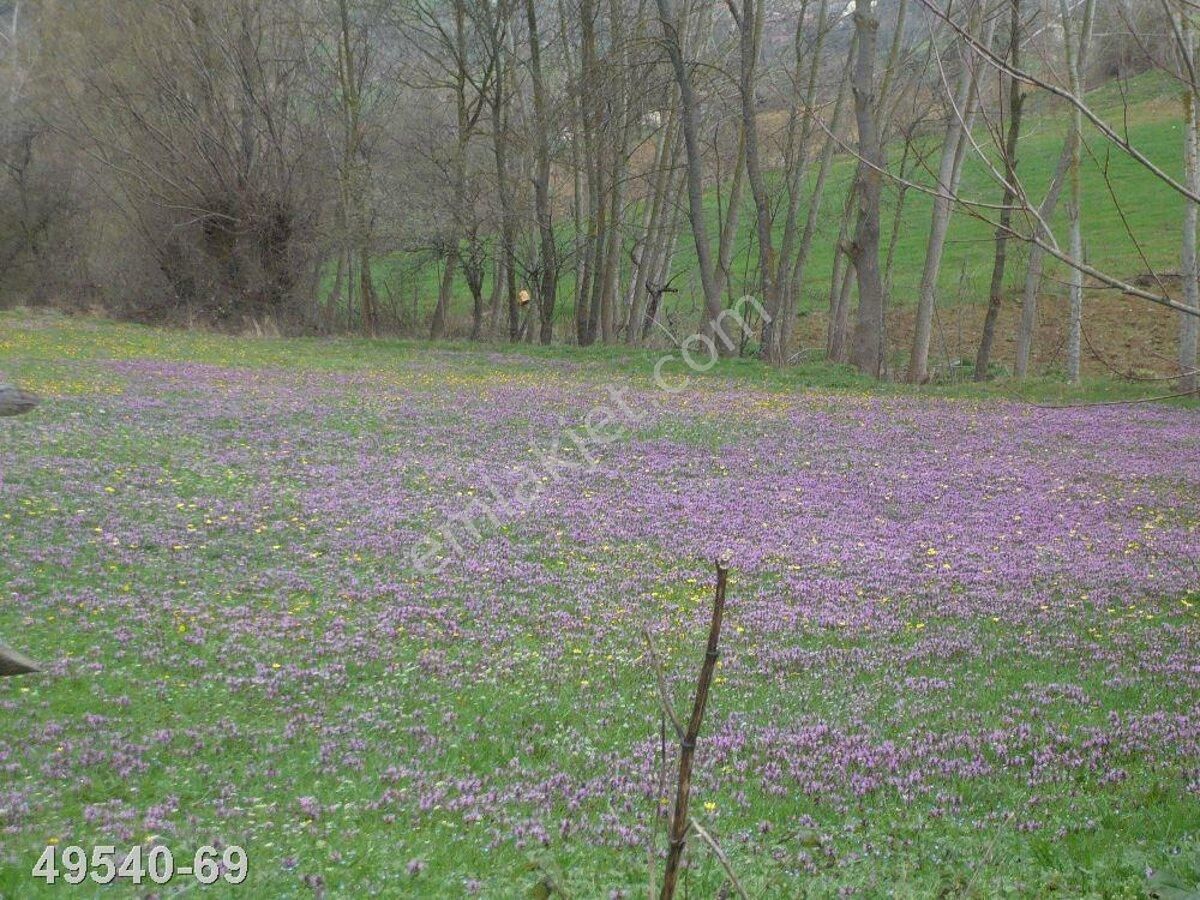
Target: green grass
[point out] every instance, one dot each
(55, 345)
(520, 705)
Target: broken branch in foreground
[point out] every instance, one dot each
(681, 822)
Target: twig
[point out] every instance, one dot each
(1025, 76)
(1115, 402)
(687, 745)
(664, 695)
(650, 864)
(1048, 244)
(660, 789)
(721, 858)
(987, 855)
(1129, 376)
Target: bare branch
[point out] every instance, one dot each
(664, 695)
(721, 857)
(1028, 77)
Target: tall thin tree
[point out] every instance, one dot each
(1074, 197)
(1016, 103)
(867, 347)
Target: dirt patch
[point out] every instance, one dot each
(1122, 335)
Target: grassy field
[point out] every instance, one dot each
(960, 656)
(1119, 197)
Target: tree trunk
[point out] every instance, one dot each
(497, 294)
(437, 328)
(653, 230)
(370, 303)
(1075, 322)
(548, 252)
(1037, 255)
(1188, 270)
(473, 270)
(335, 295)
(839, 324)
(1037, 259)
(777, 333)
(773, 348)
(618, 134)
(590, 115)
(355, 172)
(465, 126)
(952, 154)
(508, 225)
(750, 28)
(610, 281)
(796, 279)
(867, 348)
(661, 274)
(694, 165)
(733, 214)
(1016, 99)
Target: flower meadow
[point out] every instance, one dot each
(960, 657)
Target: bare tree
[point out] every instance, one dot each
(867, 349)
(194, 123)
(352, 62)
(689, 113)
(958, 126)
(785, 321)
(749, 25)
(1037, 258)
(656, 233)
(785, 271)
(837, 338)
(494, 28)
(1041, 236)
(1074, 212)
(455, 61)
(1188, 269)
(548, 261)
(1016, 103)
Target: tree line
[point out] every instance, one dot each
(361, 165)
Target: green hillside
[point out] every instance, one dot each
(1118, 194)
